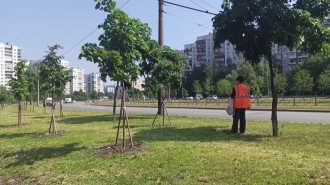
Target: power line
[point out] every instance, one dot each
(183, 43)
(81, 41)
(184, 9)
(124, 4)
(189, 8)
(198, 5)
(210, 5)
(90, 33)
(186, 36)
(187, 20)
(187, 31)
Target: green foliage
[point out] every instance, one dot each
(185, 92)
(119, 45)
(174, 92)
(281, 83)
(254, 25)
(53, 76)
(224, 87)
(197, 87)
(79, 95)
(94, 95)
(163, 64)
(32, 78)
(19, 84)
(4, 95)
(207, 86)
(324, 80)
(303, 82)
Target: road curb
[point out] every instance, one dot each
(221, 108)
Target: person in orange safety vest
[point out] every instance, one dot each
(242, 101)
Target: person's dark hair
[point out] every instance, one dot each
(240, 79)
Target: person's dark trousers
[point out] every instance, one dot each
(239, 114)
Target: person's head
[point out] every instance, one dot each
(240, 79)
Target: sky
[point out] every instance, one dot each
(33, 25)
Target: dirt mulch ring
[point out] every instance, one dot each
(18, 180)
(112, 149)
(2, 182)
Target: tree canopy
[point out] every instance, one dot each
(53, 76)
(19, 83)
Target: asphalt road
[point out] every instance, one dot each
(302, 117)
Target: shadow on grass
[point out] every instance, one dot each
(15, 135)
(100, 118)
(29, 157)
(9, 126)
(202, 134)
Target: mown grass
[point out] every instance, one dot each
(194, 151)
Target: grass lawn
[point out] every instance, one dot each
(194, 151)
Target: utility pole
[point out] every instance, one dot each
(161, 43)
(38, 91)
(38, 95)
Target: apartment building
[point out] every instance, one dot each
(10, 55)
(138, 85)
(78, 81)
(204, 45)
(202, 51)
(64, 63)
(190, 51)
(94, 83)
(110, 89)
(287, 58)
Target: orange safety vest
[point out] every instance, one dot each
(242, 98)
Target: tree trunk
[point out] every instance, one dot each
(160, 105)
(274, 92)
(61, 109)
(115, 102)
(19, 113)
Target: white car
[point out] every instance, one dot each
(212, 97)
(189, 98)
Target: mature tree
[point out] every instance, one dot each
(281, 83)
(53, 80)
(303, 82)
(197, 87)
(164, 65)
(119, 46)
(19, 86)
(324, 81)
(118, 49)
(207, 87)
(224, 87)
(315, 66)
(253, 26)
